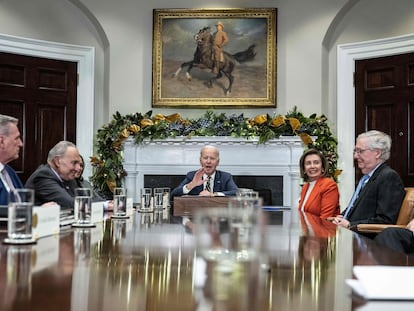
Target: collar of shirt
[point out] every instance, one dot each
(373, 171)
(57, 175)
(211, 177)
(211, 180)
(2, 166)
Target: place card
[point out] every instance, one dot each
(97, 212)
(129, 206)
(45, 220)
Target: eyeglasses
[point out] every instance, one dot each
(359, 151)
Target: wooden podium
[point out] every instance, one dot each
(185, 205)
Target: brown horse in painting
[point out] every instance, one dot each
(203, 58)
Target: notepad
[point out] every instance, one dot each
(383, 282)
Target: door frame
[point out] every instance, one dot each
(347, 54)
(85, 58)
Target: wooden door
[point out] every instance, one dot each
(41, 93)
(385, 101)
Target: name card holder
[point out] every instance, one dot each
(45, 221)
(129, 207)
(97, 212)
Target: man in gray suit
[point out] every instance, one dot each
(381, 190)
(55, 181)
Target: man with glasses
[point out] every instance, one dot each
(380, 191)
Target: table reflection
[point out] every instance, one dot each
(149, 262)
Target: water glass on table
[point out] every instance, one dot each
(158, 199)
(120, 198)
(20, 212)
(229, 246)
(146, 200)
(232, 234)
(83, 208)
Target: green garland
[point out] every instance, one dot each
(108, 171)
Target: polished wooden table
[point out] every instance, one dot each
(148, 262)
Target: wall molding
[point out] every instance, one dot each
(85, 58)
(347, 55)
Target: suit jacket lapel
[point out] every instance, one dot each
(217, 182)
(366, 187)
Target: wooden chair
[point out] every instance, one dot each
(404, 216)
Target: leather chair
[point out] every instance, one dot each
(404, 216)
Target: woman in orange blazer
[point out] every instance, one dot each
(319, 195)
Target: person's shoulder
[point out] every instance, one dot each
(223, 173)
(327, 181)
(385, 169)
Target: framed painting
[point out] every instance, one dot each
(205, 58)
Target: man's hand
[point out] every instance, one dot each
(410, 225)
(341, 221)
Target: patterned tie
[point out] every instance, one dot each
(361, 184)
(8, 180)
(208, 186)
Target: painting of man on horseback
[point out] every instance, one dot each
(192, 63)
(210, 53)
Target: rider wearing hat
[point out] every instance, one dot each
(219, 41)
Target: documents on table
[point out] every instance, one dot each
(383, 282)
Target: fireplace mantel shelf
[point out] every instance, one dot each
(239, 156)
(220, 140)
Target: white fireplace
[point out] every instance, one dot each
(238, 156)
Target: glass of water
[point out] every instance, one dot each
(120, 199)
(20, 211)
(83, 207)
(146, 200)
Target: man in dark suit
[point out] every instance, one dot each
(10, 144)
(381, 191)
(207, 181)
(55, 181)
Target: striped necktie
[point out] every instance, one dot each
(208, 186)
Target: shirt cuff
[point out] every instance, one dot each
(185, 190)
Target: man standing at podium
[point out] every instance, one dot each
(207, 181)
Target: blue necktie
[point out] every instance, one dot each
(361, 184)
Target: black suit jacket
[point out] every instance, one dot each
(380, 199)
(223, 182)
(48, 187)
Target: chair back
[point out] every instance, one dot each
(406, 210)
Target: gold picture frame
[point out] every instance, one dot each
(182, 68)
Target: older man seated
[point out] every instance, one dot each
(55, 180)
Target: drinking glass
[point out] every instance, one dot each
(229, 243)
(232, 234)
(120, 198)
(83, 206)
(146, 200)
(158, 199)
(20, 211)
(166, 200)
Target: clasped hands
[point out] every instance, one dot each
(340, 221)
